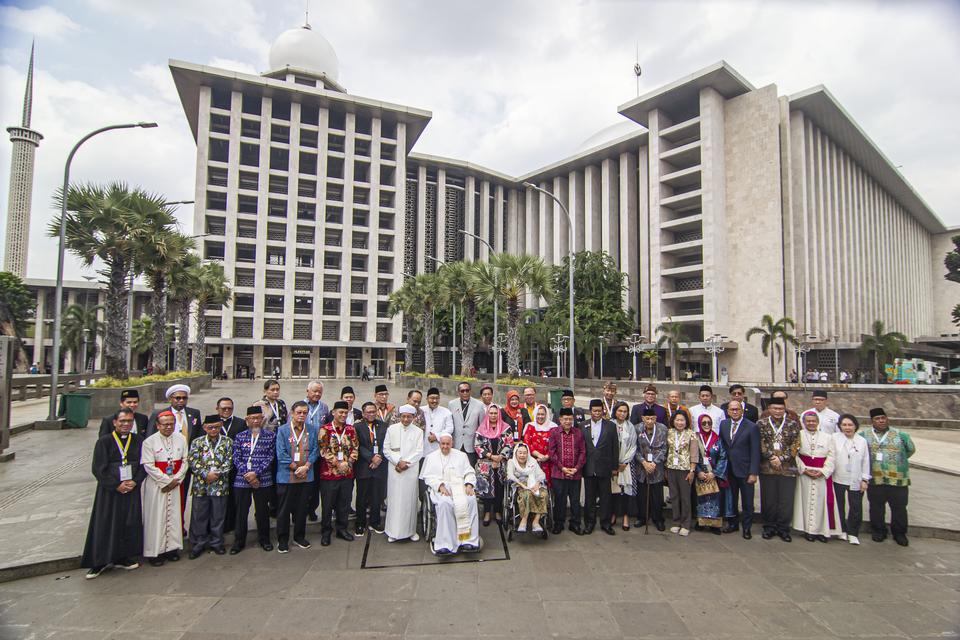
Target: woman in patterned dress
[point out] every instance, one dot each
(624, 486)
(712, 508)
(494, 444)
(536, 436)
(682, 458)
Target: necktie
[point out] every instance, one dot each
(465, 405)
(182, 419)
(733, 431)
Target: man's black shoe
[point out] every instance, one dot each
(746, 534)
(638, 523)
(729, 528)
(576, 529)
(282, 547)
(220, 551)
(303, 543)
(879, 537)
(607, 529)
(661, 526)
(195, 553)
(235, 550)
(266, 546)
(325, 539)
(786, 537)
(901, 540)
(557, 530)
(809, 537)
(767, 535)
(588, 528)
(312, 517)
(156, 562)
(359, 530)
(345, 535)
(173, 556)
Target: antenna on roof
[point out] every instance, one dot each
(306, 20)
(637, 71)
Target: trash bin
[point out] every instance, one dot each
(75, 408)
(555, 396)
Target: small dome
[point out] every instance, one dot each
(304, 48)
(609, 134)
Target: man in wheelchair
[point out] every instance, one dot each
(450, 481)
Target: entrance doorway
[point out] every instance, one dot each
(301, 363)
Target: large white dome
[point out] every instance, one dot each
(609, 134)
(304, 48)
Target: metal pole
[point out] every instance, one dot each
(571, 248)
(634, 366)
(58, 300)
(836, 360)
(453, 367)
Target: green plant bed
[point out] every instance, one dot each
(116, 383)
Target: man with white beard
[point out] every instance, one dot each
(403, 448)
(451, 480)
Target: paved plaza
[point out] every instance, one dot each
(631, 585)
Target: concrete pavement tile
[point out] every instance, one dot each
(527, 619)
(562, 587)
(73, 634)
(380, 617)
(648, 620)
(845, 620)
(169, 613)
(560, 562)
(822, 561)
(460, 621)
(771, 563)
(332, 584)
(203, 578)
(945, 609)
(951, 580)
(632, 589)
(139, 635)
(740, 588)
(708, 618)
(17, 631)
(300, 616)
(622, 562)
(266, 583)
(579, 619)
(456, 588)
(40, 610)
(233, 616)
(916, 620)
(782, 620)
(102, 612)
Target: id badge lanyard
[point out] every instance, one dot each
(126, 473)
(296, 442)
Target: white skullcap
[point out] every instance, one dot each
(407, 408)
(445, 435)
(175, 388)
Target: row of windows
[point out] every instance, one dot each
(302, 329)
(303, 305)
(306, 211)
(217, 200)
(246, 277)
(219, 151)
(277, 232)
(304, 258)
(281, 110)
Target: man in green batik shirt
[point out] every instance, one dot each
(211, 458)
(890, 450)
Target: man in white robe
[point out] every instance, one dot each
(403, 448)
(164, 458)
(451, 481)
(814, 506)
(437, 421)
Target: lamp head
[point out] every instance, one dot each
(147, 125)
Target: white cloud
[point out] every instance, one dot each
(42, 22)
(233, 65)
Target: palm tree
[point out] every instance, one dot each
(460, 288)
(672, 335)
(770, 332)
(81, 325)
(651, 356)
(181, 292)
(883, 345)
(141, 336)
(16, 306)
(212, 290)
(107, 224)
(426, 289)
(403, 302)
(157, 258)
(507, 280)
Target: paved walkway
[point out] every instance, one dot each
(46, 492)
(627, 586)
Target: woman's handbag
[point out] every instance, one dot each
(706, 487)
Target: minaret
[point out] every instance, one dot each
(25, 142)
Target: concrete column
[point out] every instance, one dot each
(512, 222)
(609, 207)
(441, 215)
(576, 206)
(646, 261)
(532, 225)
(341, 364)
(628, 244)
(713, 177)
(470, 208)
(498, 218)
(546, 206)
(561, 246)
(592, 229)
(485, 219)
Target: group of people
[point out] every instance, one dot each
(176, 473)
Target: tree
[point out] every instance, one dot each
(212, 290)
(652, 356)
(181, 293)
(770, 332)
(141, 336)
(883, 345)
(16, 306)
(673, 335)
(507, 280)
(426, 290)
(108, 224)
(952, 263)
(81, 325)
(598, 313)
(157, 257)
(460, 288)
(403, 302)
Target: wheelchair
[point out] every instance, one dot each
(511, 513)
(428, 523)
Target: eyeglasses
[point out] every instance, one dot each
(178, 397)
(707, 423)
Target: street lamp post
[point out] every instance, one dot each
(558, 346)
(836, 360)
(714, 346)
(802, 350)
(58, 300)
(83, 361)
(496, 333)
(635, 347)
(571, 248)
(499, 346)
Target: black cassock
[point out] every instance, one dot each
(116, 523)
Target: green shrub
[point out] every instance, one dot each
(519, 382)
(113, 383)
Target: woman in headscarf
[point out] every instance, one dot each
(530, 481)
(712, 508)
(512, 413)
(536, 436)
(623, 487)
(494, 444)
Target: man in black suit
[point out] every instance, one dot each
(739, 393)
(742, 440)
(354, 415)
(603, 460)
(230, 427)
(129, 399)
(568, 401)
(188, 421)
(371, 470)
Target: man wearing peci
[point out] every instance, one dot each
(129, 399)
(602, 461)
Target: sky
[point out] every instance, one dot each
(513, 85)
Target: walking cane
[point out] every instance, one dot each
(646, 522)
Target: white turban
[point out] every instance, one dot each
(407, 408)
(176, 388)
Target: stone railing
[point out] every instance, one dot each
(38, 386)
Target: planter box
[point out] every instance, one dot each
(106, 401)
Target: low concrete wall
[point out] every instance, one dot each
(930, 406)
(106, 401)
